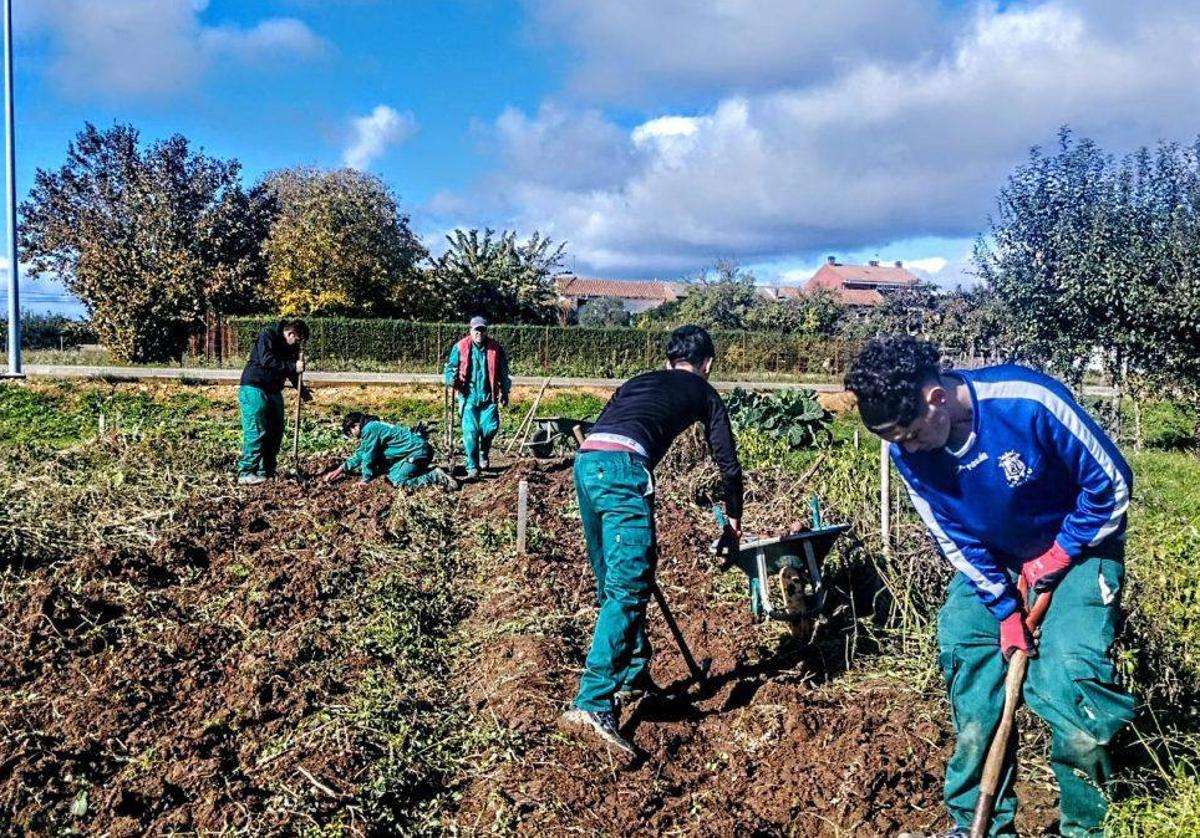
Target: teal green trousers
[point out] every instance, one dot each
(413, 471)
(617, 508)
(1071, 684)
(480, 424)
(262, 430)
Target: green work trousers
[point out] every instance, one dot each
(480, 424)
(262, 430)
(616, 504)
(1071, 684)
(413, 471)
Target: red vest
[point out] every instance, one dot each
(462, 381)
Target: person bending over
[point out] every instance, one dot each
(1014, 481)
(400, 452)
(614, 483)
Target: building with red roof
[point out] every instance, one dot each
(862, 286)
(638, 295)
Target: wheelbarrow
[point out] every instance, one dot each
(794, 562)
(551, 430)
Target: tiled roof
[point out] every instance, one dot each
(628, 289)
(856, 285)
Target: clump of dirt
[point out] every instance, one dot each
(781, 741)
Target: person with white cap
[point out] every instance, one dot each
(477, 370)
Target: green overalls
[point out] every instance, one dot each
(403, 455)
(1071, 684)
(480, 415)
(616, 503)
(262, 430)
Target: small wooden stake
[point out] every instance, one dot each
(522, 515)
(885, 497)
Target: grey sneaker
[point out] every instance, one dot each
(484, 463)
(474, 474)
(440, 476)
(251, 479)
(603, 724)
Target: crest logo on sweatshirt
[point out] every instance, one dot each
(1015, 470)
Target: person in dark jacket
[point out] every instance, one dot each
(615, 487)
(274, 360)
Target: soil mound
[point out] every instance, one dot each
(145, 692)
(773, 746)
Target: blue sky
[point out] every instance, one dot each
(653, 138)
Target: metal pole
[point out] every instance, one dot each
(10, 190)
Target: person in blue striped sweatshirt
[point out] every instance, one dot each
(1014, 480)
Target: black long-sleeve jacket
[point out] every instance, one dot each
(652, 409)
(272, 361)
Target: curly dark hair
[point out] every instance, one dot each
(351, 420)
(887, 376)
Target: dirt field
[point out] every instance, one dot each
(339, 660)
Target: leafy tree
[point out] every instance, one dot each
(1098, 257)
(339, 244)
(148, 239)
(604, 311)
(720, 297)
(819, 313)
(498, 276)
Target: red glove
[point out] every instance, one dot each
(1044, 572)
(1014, 634)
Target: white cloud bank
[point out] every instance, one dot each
(154, 48)
(371, 135)
(879, 152)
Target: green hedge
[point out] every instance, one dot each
(548, 350)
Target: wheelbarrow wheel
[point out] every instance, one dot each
(791, 586)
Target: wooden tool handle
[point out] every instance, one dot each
(997, 756)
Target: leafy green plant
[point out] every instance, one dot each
(795, 416)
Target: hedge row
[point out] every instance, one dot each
(548, 350)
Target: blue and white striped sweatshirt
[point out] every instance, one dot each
(1035, 470)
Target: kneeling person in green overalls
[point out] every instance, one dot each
(274, 359)
(615, 487)
(399, 452)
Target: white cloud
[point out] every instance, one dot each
(929, 264)
(881, 152)
(153, 48)
(372, 134)
(688, 46)
(269, 39)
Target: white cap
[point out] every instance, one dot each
(478, 323)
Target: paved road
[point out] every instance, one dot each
(226, 376)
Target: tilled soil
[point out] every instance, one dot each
(139, 691)
(160, 691)
(782, 743)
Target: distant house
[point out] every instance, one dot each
(779, 292)
(637, 295)
(862, 286)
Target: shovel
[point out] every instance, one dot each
(993, 768)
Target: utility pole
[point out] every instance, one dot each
(10, 196)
